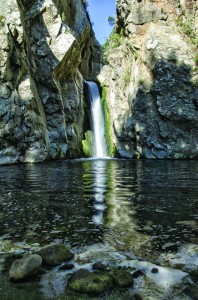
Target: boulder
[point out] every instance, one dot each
(25, 267)
(86, 282)
(66, 266)
(55, 254)
(99, 266)
(121, 278)
(97, 283)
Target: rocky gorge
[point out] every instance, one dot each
(149, 79)
(98, 228)
(47, 50)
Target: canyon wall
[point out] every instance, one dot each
(47, 49)
(151, 79)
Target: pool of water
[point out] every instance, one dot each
(142, 206)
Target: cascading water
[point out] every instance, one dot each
(97, 119)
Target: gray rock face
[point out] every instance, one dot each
(25, 267)
(47, 49)
(151, 80)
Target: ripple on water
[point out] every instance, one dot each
(132, 205)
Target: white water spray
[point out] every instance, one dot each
(97, 119)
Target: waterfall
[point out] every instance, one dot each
(97, 119)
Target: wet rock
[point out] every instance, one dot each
(99, 252)
(66, 267)
(55, 254)
(119, 295)
(165, 278)
(186, 259)
(170, 247)
(99, 266)
(86, 282)
(25, 267)
(75, 296)
(114, 295)
(154, 270)
(122, 278)
(137, 297)
(192, 292)
(138, 273)
(42, 271)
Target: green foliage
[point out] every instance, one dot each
(87, 144)
(2, 18)
(196, 59)
(113, 41)
(63, 17)
(188, 30)
(111, 150)
(136, 54)
(111, 20)
(127, 75)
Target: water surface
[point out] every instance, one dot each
(138, 206)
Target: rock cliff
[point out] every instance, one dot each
(151, 78)
(47, 49)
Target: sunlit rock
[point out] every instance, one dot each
(41, 77)
(155, 83)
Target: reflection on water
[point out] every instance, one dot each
(128, 203)
(136, 206)
(95, 176)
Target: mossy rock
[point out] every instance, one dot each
(89, 283)
(55, 254)
(121, 278)
(111, 150)
(25, 267)
(88, 144)
(75, 296)
(114, 295)
(118, 295)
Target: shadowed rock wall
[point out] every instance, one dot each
(151, 79)
(47, 48)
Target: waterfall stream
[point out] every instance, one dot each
(97, 119)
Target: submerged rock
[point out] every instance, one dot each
(55, 254)
(100, 252)
(186, 259)
(192, 292)
(66, 267)
(25, 267)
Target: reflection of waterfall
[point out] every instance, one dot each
(95, 182)
(100, 187)
(97, 119)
